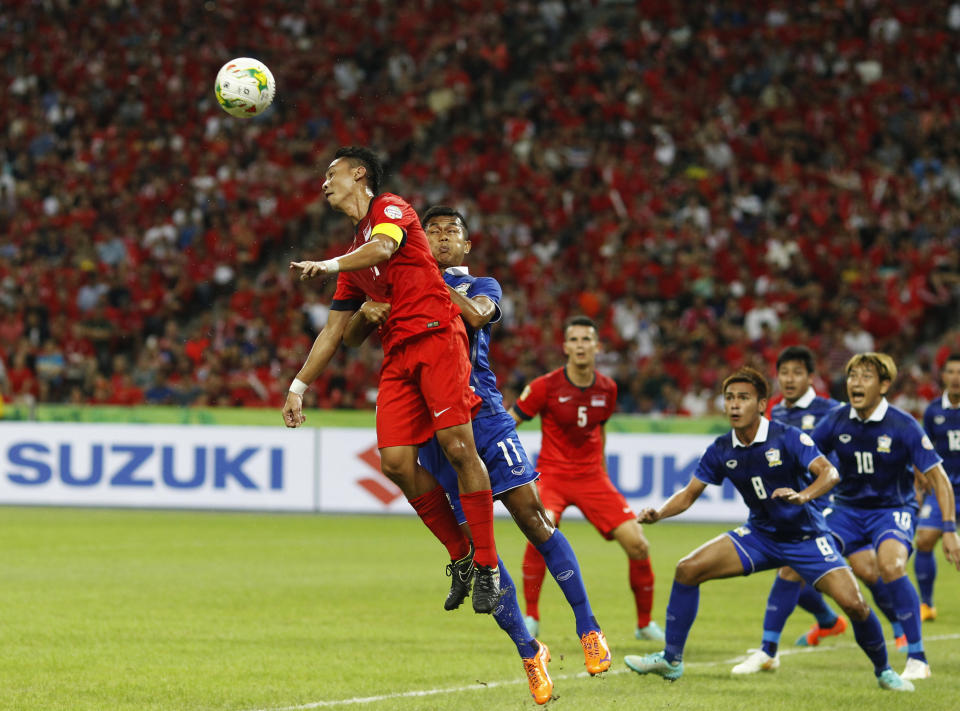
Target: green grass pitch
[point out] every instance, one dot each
(132, 610)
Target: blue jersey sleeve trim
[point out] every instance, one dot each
(346, 304)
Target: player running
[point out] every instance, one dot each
(768, 463)
(511, 473)
(574, 404)
(424, 387)
(874, 514)
(941, 421)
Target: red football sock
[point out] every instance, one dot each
(641, 582)
(534, 568)
(478, 508)
(435, 512)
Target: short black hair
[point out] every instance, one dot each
(955, 356)
(579, 321)
(801, 353)
(754, 377)
(443, 211)
(359, 155)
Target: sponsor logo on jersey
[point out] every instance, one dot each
(598, 401)
(939, 419)
(564, 398)
(366, 233)
(518, 471)
(731, 464)
(926, 443)
(525, 393)
(806, 440)
(845, 438)
(393, 212)
(462, 289)
(773, 457)
(808, 422)
(884, 442)
(742, 531)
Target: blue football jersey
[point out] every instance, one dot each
(942, 423)
(779, 456)
(875, 457)
(805, 413)
(482, 379)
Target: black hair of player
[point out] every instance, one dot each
(359, 155)
(754, 377)
(800, 353)
(952, 358)
(443, 211)
(579, 321)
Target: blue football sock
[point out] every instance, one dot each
(925, 566)
(881, 596)
(681, 612)
(508, 615)
(907, 605)
(563, 566)
(813, 602)
(780, 603)
(869, 635)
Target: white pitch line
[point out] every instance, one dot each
(510, 682)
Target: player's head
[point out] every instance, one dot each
(353, 168)
(869, 377)
(951, 375)
(794, 372)
(580, 341)
(745, 392)
(448, 236)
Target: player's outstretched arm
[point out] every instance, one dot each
(676, 504)
(378, 250)
(826, 475)
(476, 311)
(323, 349)
(944, 492)
(364, 322)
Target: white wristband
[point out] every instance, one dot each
(298, 387)
(331, 266)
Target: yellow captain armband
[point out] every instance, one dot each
(394, 232)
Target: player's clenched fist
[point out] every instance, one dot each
(648, 516)
(293, 410)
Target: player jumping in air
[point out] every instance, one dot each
(424, 387)
(511, 474)
(768, 463)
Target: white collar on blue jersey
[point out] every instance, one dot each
(803, 401)
(877, 414)
(761, 436)
(946, 404)
(458, 271)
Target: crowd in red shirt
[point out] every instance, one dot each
(710, 182)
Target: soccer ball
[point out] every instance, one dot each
(244, 87)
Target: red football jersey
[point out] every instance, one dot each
(572, 420)
(409, 281)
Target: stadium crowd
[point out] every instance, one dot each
(710, 182)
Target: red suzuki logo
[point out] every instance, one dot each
(379, 487)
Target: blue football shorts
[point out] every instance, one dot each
(858, 529)
(930, 515)
(501, 451)
(811, 558)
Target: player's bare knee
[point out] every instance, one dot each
(457, 452)
(790, 575)
(688, 572)
(891, 570)
(854, 606)
(637, 550)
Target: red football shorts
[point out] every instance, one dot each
(591, 492)
(425, 387)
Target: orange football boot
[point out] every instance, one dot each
(596, 653)
(541, 685)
